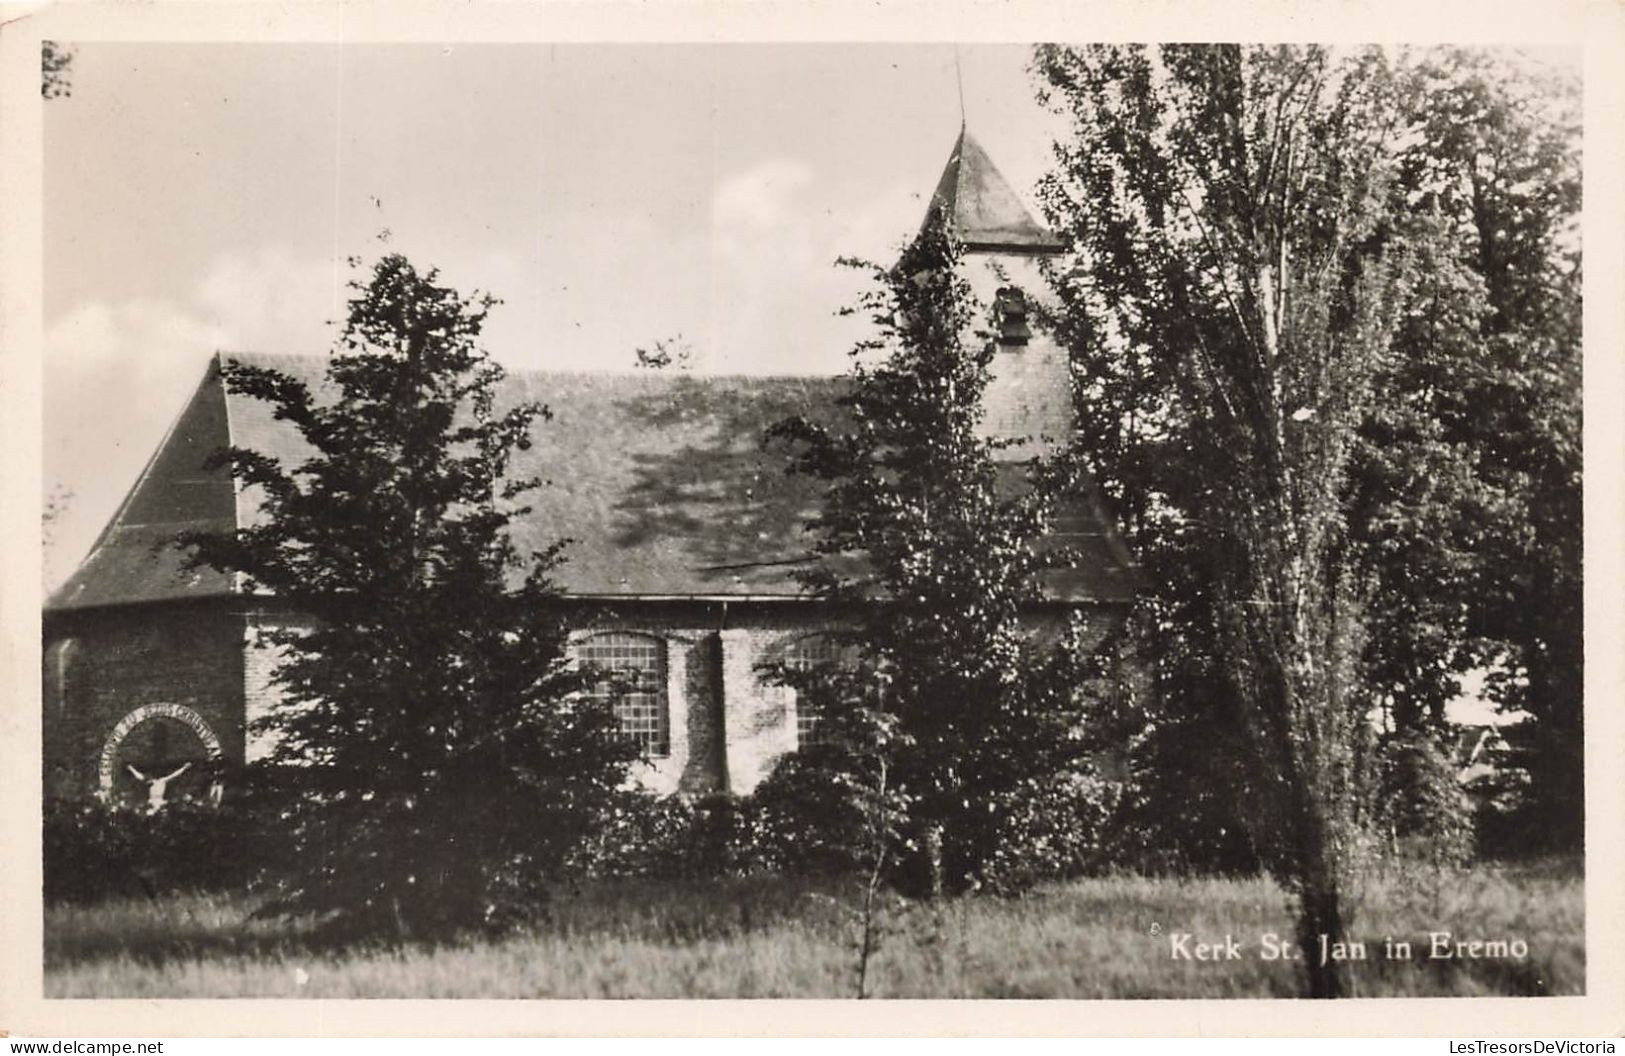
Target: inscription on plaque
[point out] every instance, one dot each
(156, 783)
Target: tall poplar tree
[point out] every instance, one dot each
(1238, 287)
(1462, 498)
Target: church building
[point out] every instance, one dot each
(687, 535)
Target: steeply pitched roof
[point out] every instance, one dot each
(660, 478)
(135, 558)
(981, 206)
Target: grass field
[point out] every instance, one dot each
(768, 937)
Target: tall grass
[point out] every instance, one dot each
(773, 937)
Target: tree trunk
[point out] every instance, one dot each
(1321, 926)
(933, 861)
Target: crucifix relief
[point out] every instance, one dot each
(156, 786)
(169, 734)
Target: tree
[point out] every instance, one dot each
(957, 710)
(440, 757)
(1496, 161)
(56, 505)
(666, 352)
(54, 62)
(1463, 497)
(1240, 282)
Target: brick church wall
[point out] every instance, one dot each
(759, 719)
(1029, 392)
(727, 727)
(103, 664)
(260, 658)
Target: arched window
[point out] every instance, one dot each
(638, 693)
(58, 659)
(807, 654)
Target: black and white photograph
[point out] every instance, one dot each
(846, 520)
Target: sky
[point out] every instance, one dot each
(201, 198)
(205, 197)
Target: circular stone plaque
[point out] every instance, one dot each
(108, 767)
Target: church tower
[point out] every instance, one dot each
(1029, 395)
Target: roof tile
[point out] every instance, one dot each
(661, 480)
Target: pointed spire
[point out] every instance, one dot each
(982, 208)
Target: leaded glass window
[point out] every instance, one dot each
(638, 690)
(808, 654)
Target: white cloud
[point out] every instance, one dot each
(117, 373)
(877, 229)
(115, 376)
(271, 300)
(767, 257)
(761, 198)
(777, 232)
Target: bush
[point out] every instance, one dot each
(1422, 808)
(807, 821)
(1506, 809)
(1165, 748)
(672, 838)
(802, 820)
(93, 851)
(810, 819)
(1057, 831)
(1178, 805)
